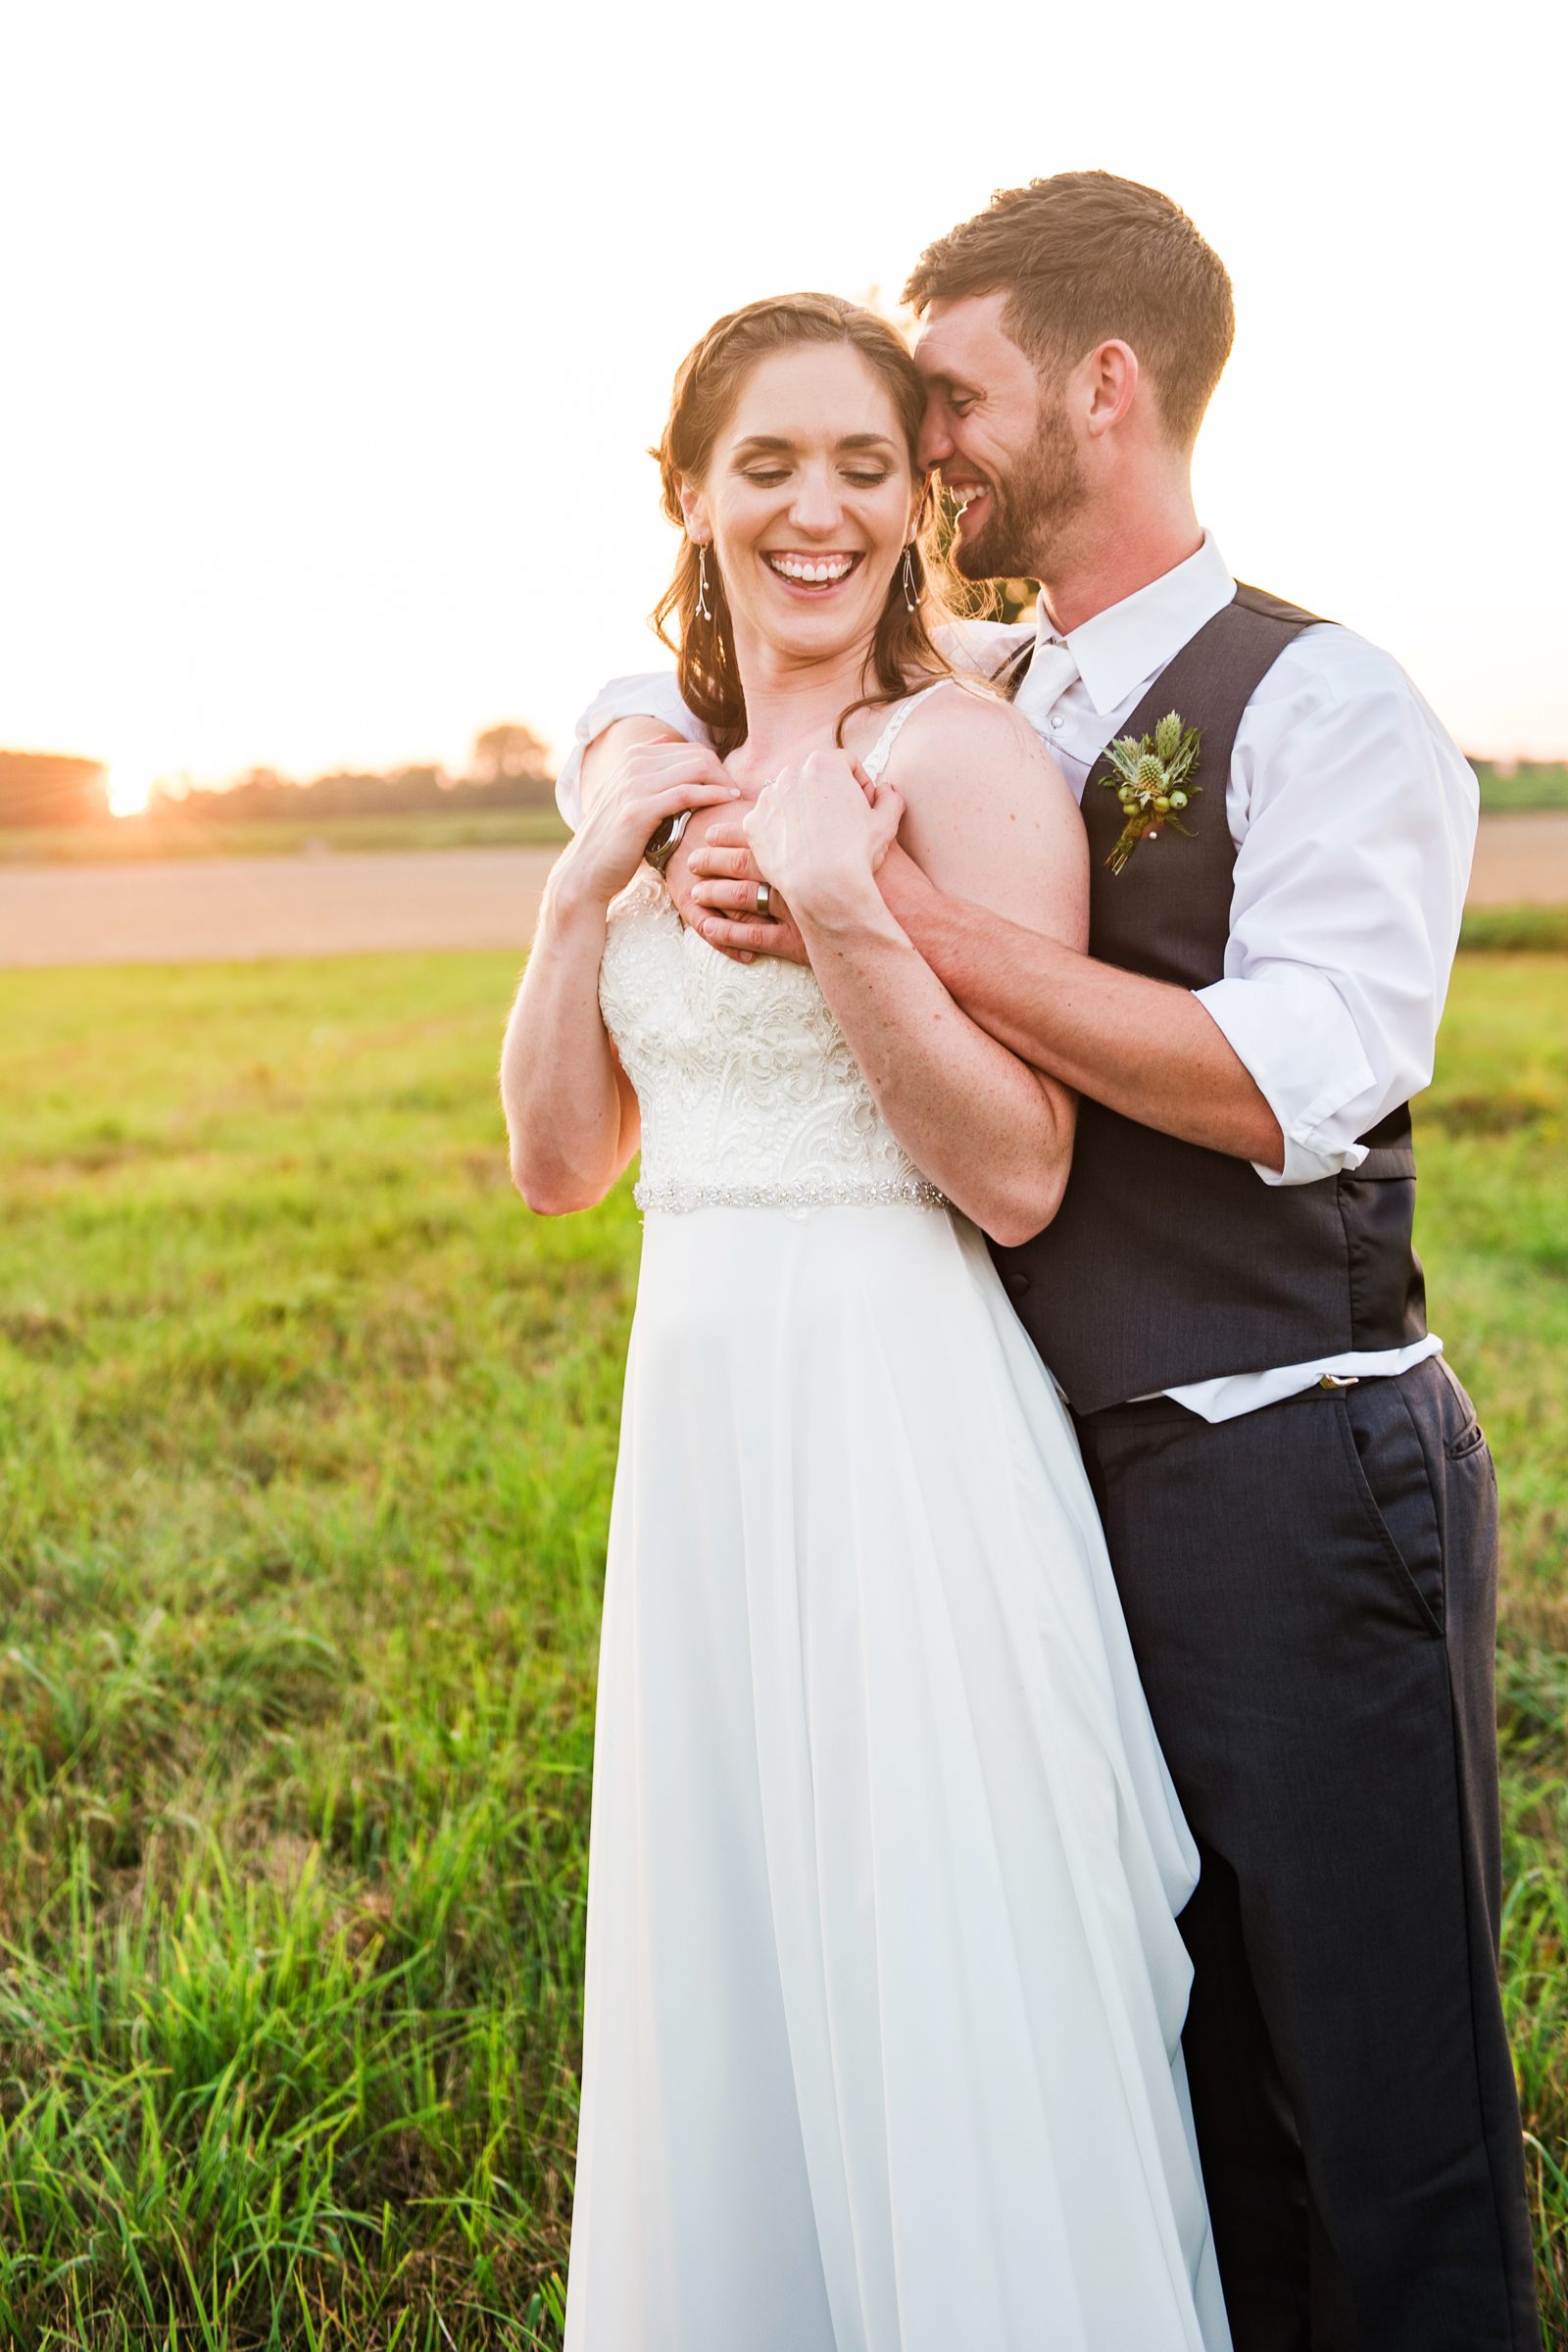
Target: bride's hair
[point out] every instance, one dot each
(708, 384)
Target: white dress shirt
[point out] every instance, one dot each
(1353, 814)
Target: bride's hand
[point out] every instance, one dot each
(818, 833)
(887, 811)
(649, 782)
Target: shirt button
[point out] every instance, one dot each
(1057, 724)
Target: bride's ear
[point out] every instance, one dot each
(691, 507)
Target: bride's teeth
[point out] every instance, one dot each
(810, 570)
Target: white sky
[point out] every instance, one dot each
(334, 333)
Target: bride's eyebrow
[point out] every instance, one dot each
(770, 444)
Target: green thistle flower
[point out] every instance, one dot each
(1152, 777)
(1168, 737)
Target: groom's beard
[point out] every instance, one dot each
(1029, 506)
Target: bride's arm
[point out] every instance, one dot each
(990, 818)
(572, 1116)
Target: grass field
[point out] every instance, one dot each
(1515, 930)
(308, 1430)
(1530, 784)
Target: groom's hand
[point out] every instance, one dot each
(724, 878)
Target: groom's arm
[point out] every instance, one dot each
(1356, 814)
(1140, 1047)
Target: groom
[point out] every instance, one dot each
(1300, 1507)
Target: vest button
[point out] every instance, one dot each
(1017, 1284)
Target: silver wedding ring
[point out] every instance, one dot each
(764, 900)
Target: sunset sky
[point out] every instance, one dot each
(335, 334)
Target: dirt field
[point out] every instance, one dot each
(1521, 862)
(213, 910)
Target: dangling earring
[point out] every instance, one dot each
(703, 613)
(910, 596)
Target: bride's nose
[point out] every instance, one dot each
(817, 506)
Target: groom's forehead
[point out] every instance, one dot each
(963, 342)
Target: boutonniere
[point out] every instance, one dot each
(1152, 782)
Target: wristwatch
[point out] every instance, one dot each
(665, 840)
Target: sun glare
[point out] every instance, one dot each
(130, 781)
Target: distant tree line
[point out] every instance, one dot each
(1522, 783)
(510, 768)
(46, 788)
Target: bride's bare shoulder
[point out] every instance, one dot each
(964, 736)
(989, 816)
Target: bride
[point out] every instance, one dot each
(885, 1990)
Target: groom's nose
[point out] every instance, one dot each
(936, 442)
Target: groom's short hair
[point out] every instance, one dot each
(1084, 257)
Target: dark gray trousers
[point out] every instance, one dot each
(1312, 1594)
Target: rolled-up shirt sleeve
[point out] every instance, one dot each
(648, 693)
(1354, 814)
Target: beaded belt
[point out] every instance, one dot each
(808, 1192)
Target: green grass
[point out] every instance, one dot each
(1515, 931)
(136, 837)
(308, 1430)
(1493, 1229)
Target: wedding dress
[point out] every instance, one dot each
(884, 1990)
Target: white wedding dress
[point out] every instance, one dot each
(885, 1992)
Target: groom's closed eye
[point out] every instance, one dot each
(943, 393)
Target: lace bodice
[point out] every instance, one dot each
(750, 1095)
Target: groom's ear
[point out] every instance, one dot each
(1106, 379)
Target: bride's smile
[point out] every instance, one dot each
(812, 572)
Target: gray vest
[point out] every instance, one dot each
(1168, 1263)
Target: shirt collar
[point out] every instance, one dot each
(1127, 643)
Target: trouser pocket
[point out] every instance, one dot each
(1387, 1465)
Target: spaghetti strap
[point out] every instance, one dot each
(876, 759)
